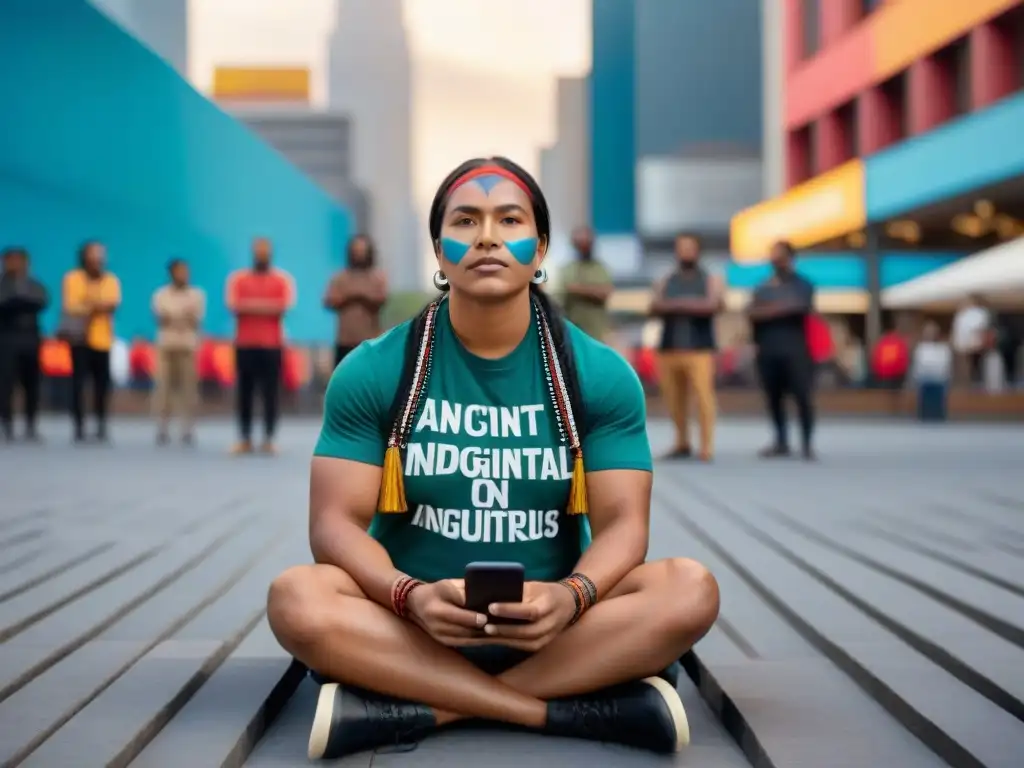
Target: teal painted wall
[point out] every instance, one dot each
(109, 143)
(845, 271)
(966, 154)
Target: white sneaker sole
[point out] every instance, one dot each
(675, 708)
(320, 733)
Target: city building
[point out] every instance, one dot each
(894, 143)
(317, 143)
(149, 167)
(162, 25)
(370, 80)
(675, 125)
(565, 166)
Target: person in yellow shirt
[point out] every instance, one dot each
(91, 297)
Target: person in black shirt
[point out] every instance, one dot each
(687, 300)
(22, 298)
(778, 313)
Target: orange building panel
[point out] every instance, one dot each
(884, 44)
(261, 84)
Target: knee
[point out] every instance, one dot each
(292, 607)
(690, 597)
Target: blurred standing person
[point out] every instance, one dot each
(930, 372)
(91, 297)
(22, 298)
(259, 298)
(356, 294)
(687, 301)
(970, 334)
(778, 312)
(179, 308)
(586, 287)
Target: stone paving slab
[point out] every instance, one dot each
(872, 604)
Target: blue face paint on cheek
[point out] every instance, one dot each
(523, 250)
(453, 250)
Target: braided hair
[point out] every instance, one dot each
(556, 351)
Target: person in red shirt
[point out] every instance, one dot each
(259, 298)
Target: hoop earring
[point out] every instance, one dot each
(540, 276)
(440, 280)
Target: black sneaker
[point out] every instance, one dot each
(647, 714)
(347, 722)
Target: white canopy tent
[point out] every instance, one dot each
(996, 273)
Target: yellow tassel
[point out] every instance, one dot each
(392, 486)
(578, 488)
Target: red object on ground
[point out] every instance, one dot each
(819, 338)
(142, 360)
(891, 357)
(643, 363)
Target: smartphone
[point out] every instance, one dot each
(488, 583)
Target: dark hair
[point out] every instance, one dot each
(174, 263)
(555, 320)
(14, 250)
(83, 251)
(371, 251)
(690, 236)
(785, 246)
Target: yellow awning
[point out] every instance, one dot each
(827, 206)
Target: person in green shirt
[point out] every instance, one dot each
(487, 428)
(586, 287)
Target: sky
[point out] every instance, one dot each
(484, 71)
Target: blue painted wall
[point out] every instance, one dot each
(844, 271)
(612, 153)
(109, 143)
(698, 75)
(976, 150)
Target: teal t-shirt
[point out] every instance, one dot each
(486, 475)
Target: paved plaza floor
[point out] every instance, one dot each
(872, 604)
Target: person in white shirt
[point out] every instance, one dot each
(931, 369)
(970, 329)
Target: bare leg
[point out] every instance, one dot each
(321, 616)
(647, 622)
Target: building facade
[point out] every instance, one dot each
(675, 125)
(895, 145)
(370, 81)
(162, 25)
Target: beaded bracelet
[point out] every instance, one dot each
(583, 591)
(400, 591)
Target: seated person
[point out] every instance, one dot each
(460, 436)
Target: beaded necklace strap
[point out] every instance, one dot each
(392, 492)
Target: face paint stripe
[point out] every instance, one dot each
(523, 250)
(453, 250)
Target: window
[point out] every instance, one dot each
(1018, 44)
(895, 90)
(810, 10)
(851, 133)
(959, 56)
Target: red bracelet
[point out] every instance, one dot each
(400, 591)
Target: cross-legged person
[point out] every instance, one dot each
(488, 429)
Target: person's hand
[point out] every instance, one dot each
(547, 609)
(439, 610)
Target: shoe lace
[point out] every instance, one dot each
(593, 715)
(406, 738)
